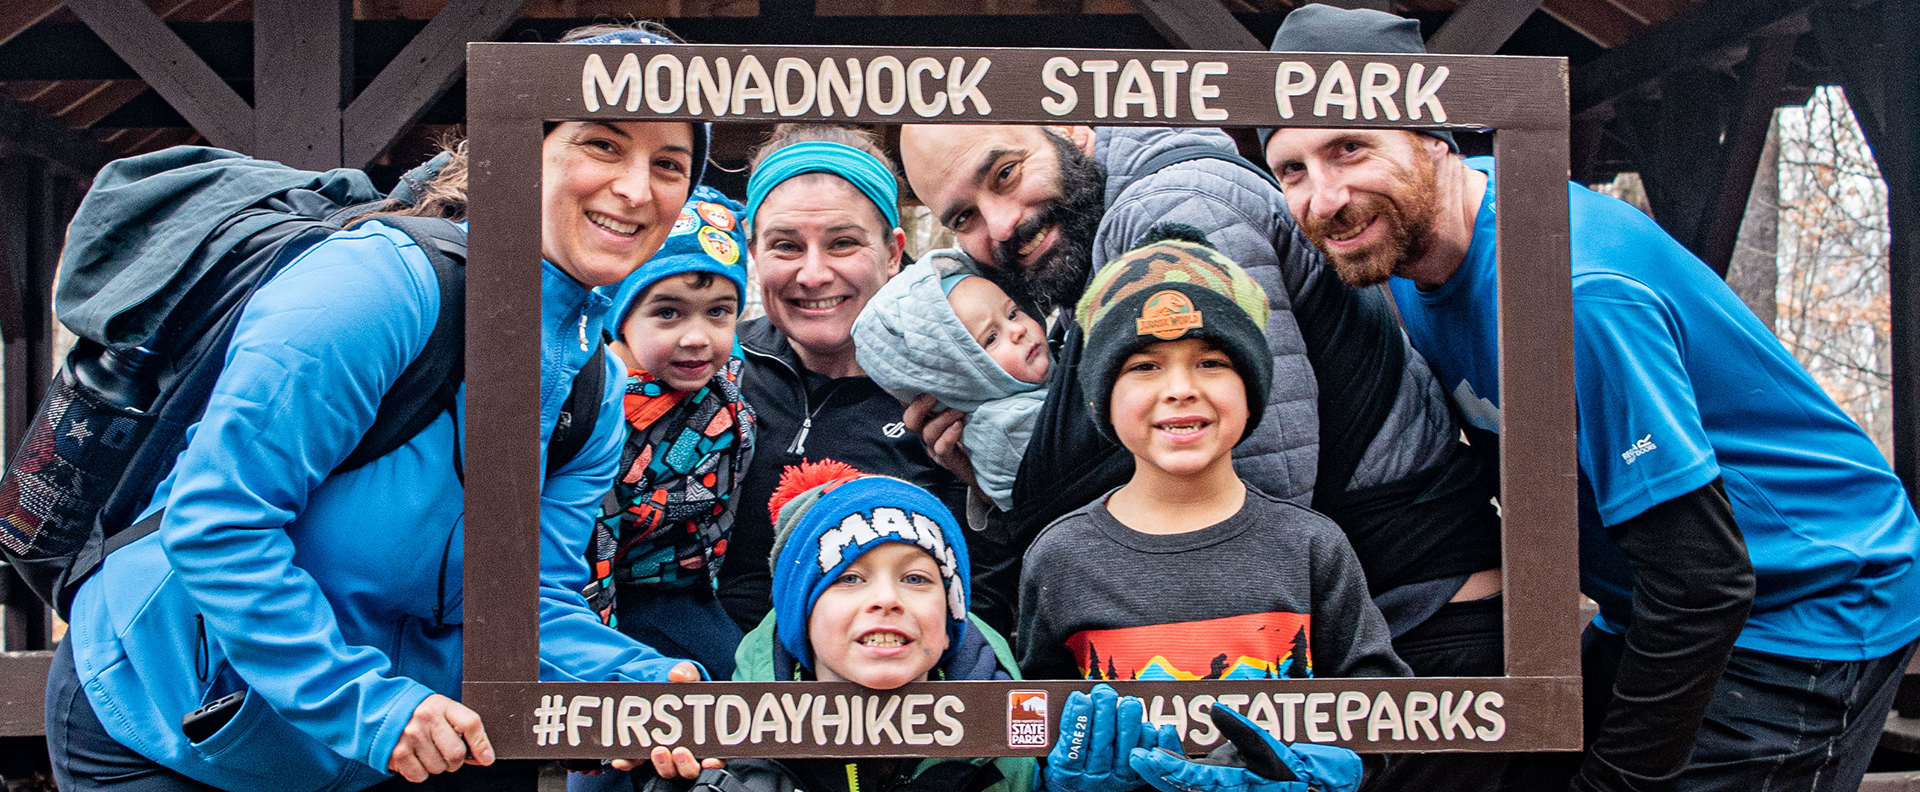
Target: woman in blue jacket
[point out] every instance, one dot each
(333, 600)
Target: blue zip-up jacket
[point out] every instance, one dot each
(320, 594)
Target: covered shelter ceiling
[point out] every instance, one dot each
(54, 62)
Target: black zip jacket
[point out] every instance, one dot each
(808, 416)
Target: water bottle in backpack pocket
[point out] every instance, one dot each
(74, 453)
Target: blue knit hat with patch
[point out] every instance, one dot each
(707, 237)
(823, 529)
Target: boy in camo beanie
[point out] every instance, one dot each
(1173, 286)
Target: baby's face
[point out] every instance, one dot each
(1011, 337)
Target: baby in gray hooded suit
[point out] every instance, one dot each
(939, 328)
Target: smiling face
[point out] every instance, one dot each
(1179, 407)
(883, 622)
(1013, 339)
(1366, 198)
(1024, 201)
(609, 193)
(822, 250)
(680, 331)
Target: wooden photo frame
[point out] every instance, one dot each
(513, 88)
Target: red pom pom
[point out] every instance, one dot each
(796, 479)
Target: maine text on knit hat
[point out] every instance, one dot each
(919, 530)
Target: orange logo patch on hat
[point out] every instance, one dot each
(719, 246)
(1167, 316)
(716, 215)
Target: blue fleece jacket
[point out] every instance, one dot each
(322, 594)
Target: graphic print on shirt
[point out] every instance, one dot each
(1251, 646)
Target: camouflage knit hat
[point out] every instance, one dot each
(1172, 287)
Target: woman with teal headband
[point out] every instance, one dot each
(823, 227)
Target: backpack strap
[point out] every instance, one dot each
(580, 412)
(428, 385)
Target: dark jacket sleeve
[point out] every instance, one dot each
(996, 570)
(1693, 588)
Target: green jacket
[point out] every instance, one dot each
(983, 654)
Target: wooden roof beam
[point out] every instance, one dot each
(141, 39)
(1691, 40)
(19, 15)
(1480, 27)
(1197, 24)
(28, 130)
(1601, 23)
(417, 77)
(1766, 72)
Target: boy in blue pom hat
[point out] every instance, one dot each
(659, 548)
(870, 586)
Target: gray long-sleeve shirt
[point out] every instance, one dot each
(1273, 591)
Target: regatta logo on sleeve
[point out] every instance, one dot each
(1639, 449)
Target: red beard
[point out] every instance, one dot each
(1405, 215)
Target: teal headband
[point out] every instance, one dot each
(859, 168)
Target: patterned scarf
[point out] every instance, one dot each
(665, 525)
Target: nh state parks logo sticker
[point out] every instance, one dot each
(1027, 719)
(1167, 316)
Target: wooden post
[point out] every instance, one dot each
(1873, 49)
(1765, 71)
(35, 203)
(302, 76)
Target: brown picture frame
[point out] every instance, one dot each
(512, 88)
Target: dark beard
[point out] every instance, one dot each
(1406, 215)
(1057, 277)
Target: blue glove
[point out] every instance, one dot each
(1251, 761)
(1098, 734)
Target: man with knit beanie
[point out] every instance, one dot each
(1186, 570)
(1750, 548)
(870, 586)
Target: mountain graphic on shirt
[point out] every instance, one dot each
(1251, 646)
(1483, 414)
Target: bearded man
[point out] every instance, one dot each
(1750, 548)
(1356, 425)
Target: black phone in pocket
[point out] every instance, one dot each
(200, 724)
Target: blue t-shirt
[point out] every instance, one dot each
(1677, 384)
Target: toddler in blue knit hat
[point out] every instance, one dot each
(658, 549)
